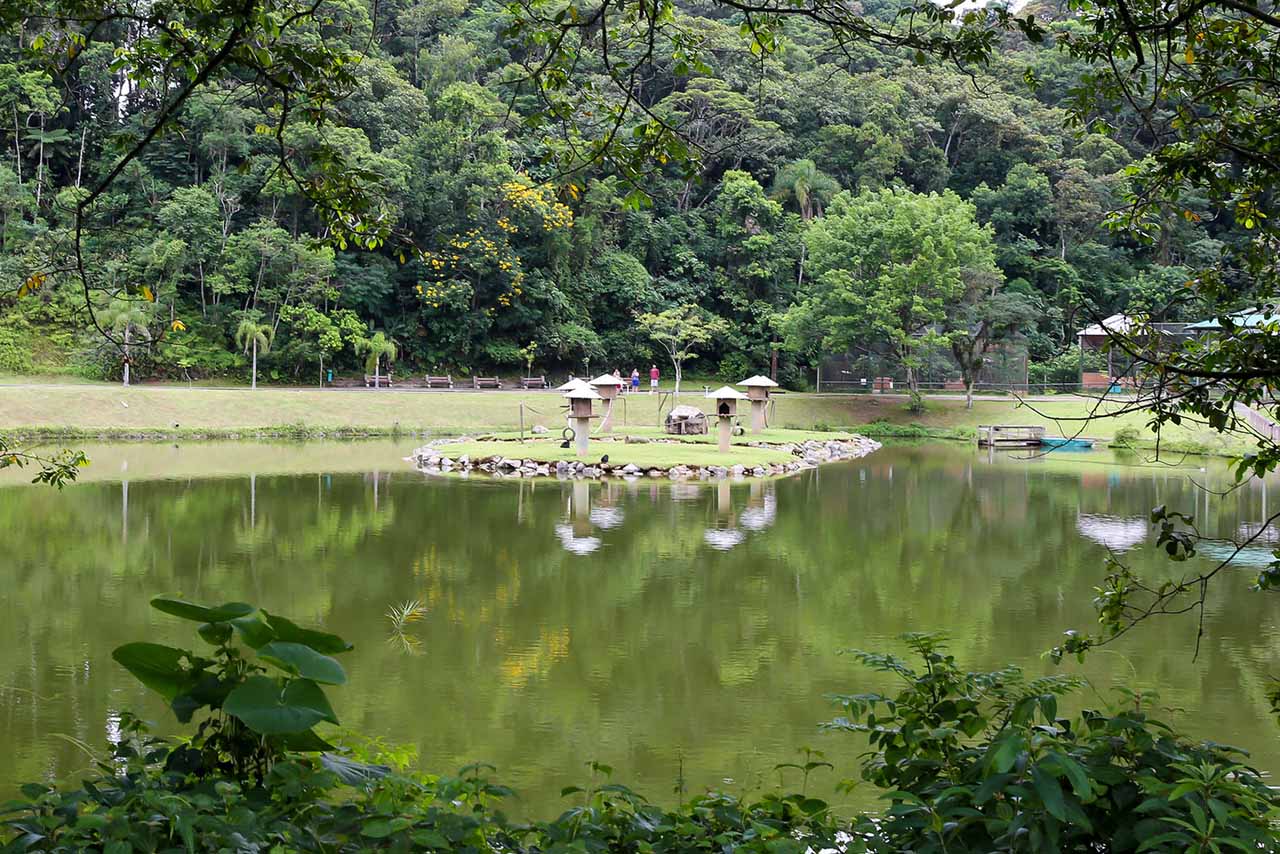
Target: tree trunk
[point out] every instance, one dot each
(968, 393)
(679, 374)
(253, 383)
(377, 371)
(126, 355)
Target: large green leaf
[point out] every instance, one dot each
(163, 669)
(264, 707)
(286, 630)
(300, 660)
(201, 613)
(253, 631)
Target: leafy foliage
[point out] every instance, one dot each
(976, 762)
(257, 709)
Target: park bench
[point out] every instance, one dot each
(371, 381)
(439, 382)
(533, 382)
(486, 382)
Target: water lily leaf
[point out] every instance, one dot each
(286, 630)
(201, 613)
(301, 660)
(163, 669)
(264, 707)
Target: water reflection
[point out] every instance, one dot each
(661, 628)
(593, 508)
(1117, 533)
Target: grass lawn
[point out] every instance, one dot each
(620, 454)
(80, 410)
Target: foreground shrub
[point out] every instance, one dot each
(967, 762)
(980, 762)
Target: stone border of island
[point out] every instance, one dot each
(809, 455)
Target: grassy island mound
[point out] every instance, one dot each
(644, 451)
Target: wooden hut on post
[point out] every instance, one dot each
(580, 415)
(726, 408)
(758, 393)
(607, 386)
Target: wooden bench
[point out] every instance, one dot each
(486, 382)
(383, 381)
(533, 382)
(445, 381)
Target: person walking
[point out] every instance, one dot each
(653, 379)
(635, 380)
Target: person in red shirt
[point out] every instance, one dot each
(653, 379)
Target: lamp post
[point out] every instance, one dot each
(726, 407)
(758, 393)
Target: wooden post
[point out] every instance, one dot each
(757, 416)
(581, 433)
(726, 425)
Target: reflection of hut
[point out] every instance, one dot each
(1118, 533)
(762, 508)
(726, 408)
(723, 539)
(576, 544)
(686, 421)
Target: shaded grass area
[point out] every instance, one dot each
(80, 411)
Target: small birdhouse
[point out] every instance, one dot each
(607, 385)
(726, 401)
(758, 387)
(580, 401)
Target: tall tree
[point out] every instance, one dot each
(680, 331)
(128, 318)
(888, 267)
(377, 348)
(806, 184)
(254, 337)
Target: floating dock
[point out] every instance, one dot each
(1009, 436)
(1015, 436)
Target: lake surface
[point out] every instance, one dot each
(662, 629)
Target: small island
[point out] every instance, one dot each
(641, 452)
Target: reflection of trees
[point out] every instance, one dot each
(652, 650)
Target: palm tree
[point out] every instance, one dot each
(254, 336)
(377, 347)
(128, 319)
(807, 184)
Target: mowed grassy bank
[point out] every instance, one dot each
(111, 411)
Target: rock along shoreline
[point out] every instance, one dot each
(432, 458)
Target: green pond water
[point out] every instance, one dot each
(661, 629)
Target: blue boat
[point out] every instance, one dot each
(1061, 443)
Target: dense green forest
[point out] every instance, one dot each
(841, 199)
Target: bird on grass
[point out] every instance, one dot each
(605, 458)
(565, 443)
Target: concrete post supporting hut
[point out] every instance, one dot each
(726, 408)
(758, 393)
(607, 386)
(580, 402)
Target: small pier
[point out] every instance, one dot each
(1009, 436)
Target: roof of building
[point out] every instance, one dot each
(607, 379)
(727, 393)
(572, 384)
(1249, 318)
(585, 392)
(759, 380)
